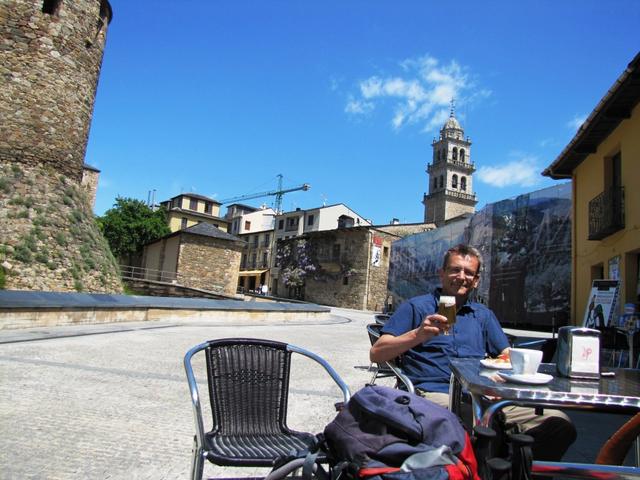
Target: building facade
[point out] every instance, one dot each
(450, 191)
(189, 209)
(201, 256)
(603, 162)
(345, 267)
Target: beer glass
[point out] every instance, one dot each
(447, 308)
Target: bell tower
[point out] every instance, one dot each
(450, 191)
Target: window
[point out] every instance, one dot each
(265, 260)
(253, 260)
(183, 223)
(345, 280)
(177, 202)
(462, 155)
(267, 237)
(441, 181)
(385, 252)
(454, 181)
(280, 224)
(193, 204)
(335, 252)
(435, 183)
(207, 207)
(255, 240)
(310, 220)
(455, 153)
(51, 6)
(247, 225)
(243, 264)
(463, 184)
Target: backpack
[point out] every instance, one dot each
(388, 434)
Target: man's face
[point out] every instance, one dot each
(460, 276)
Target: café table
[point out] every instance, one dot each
(619, 393)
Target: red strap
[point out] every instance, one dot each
(367, 472)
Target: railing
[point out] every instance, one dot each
(606, 213)
(451, 193)
(469, 167)
(130, 272)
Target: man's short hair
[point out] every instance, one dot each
(463, 250)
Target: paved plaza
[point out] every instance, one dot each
(111, 401)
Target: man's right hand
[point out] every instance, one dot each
(389, 347)
(432, 325)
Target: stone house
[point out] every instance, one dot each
(188, 209)
(345, 267)
(201, 256)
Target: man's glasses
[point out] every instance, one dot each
(455, 271)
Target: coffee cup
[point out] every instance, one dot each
(525, 360)
(447, 308)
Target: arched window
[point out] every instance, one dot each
(463, 184)
(454, 182)
(455, 153)
(462, 154)
(441, 181)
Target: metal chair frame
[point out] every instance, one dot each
(389, 368)
(248, 382)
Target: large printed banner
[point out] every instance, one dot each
(526, 247)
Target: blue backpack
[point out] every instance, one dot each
(388, 434)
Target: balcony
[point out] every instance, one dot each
(606, 213)
(464, 166)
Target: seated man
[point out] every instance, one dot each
(417, 331)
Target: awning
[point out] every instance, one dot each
(252, 273)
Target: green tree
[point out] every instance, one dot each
(129, 225)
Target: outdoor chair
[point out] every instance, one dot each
(614, 451)
(248, 382)
(381, 318)
(392, 368)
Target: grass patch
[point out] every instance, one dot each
(5, 185)
(61, 239)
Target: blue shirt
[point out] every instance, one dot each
(475, 333)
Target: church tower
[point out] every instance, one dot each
(450, 175)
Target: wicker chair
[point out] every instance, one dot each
(387, 369)
(248, 383)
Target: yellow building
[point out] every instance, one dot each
(603, 162)
(189, 209)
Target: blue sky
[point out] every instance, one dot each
(219, 97)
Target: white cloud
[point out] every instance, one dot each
(420, 94)
(523, 172)
(358, 107)
(576, 122)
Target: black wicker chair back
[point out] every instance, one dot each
(248, 381)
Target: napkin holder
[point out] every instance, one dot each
(578, 352)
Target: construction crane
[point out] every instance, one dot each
(279, 193)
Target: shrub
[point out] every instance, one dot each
(22, 253)
(61, 238)
(3, 278)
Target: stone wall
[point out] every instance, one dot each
(90, 177)
(209, 263)
(350, 281)
(48, 236)
(49, 65)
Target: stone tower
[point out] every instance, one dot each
(450, 176)
(49, 65)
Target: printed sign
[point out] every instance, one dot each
(375, 256)
(602, 302)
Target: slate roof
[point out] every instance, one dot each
(208, 230)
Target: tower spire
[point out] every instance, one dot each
(453, 107)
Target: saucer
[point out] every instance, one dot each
(495, 363)
(527, 378)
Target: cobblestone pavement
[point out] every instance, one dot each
(115, 405)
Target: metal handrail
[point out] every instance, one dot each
(130, 272)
